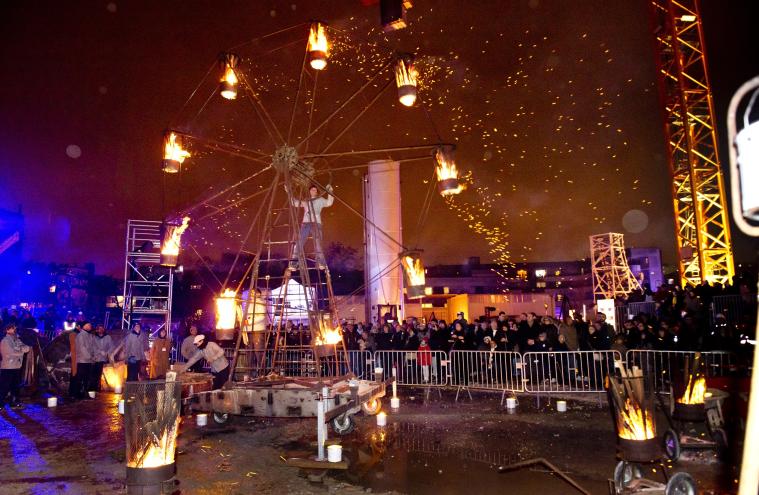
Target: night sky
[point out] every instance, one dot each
(553, 106)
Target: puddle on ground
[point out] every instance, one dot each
(414, 458)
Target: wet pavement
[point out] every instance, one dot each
(435, 446)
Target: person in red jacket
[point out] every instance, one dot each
(424, 358)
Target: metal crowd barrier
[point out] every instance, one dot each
(636, 308)
(733, 307)
(531, 372)
(414, 368)
(486, 370)
(362, 364)
(568, 372)
(662, 365)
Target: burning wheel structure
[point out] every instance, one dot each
(266, 129)
(631, 399)
(692, 405)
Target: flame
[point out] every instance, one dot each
(318, 45)
(634, 424)
(173, 236)
(230, 78)
(226, 310)
(694, 392)
(446, 166)
(329, 337)
(158, 452)
(173, 149)
(113, 376)
(406, 77)
(414, 270)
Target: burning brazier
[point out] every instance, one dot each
(689, 403)
(631, 399)
(151, 425)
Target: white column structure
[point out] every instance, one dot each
(382, 238)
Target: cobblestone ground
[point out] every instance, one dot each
(432, 445)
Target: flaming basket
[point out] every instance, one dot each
(415, 274)
(171, 238)
(690, 405)
(631, 399)
(151, 425)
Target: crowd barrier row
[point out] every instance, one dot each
(502, 371)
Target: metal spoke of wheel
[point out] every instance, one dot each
(311, 111)
(231, 205)
(252, 226)
(345, 103)
(207, 201)
(297, 96)
(275, 33)
(357, 117)
(261, 110)
(375, 151)
(205, 264)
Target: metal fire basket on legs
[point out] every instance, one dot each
(691, 406)
(631, 400)
(151, 425)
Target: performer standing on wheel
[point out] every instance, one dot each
(312, 220)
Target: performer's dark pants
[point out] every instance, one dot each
(96, 372)
(79, 384)
(220, 378)
(10, 381)
(133, 371)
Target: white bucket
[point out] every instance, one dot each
(381, 419)
(334, 453)
(511, 403)
(395, 402)
(201, 419)
(121, 406)
(117, 389)
(52, 402)
(92, 394)
(561, 405)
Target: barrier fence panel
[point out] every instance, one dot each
(572, 371)
(487, 370)
(426, 368)
(636, 308)
(664, 365)
(362, 364)
(733, 307)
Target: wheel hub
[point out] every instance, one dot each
(284, 158)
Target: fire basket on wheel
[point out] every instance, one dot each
(631, 400)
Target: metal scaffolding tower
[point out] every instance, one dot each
(147, 284)
(611, 273)
(701, 222)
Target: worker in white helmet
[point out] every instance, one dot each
(214, 355)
